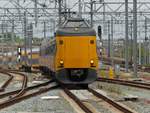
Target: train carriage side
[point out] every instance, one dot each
(47, 56)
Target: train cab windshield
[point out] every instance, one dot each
(75, 27)
(75, 23)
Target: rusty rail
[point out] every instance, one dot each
(105, 98)
(126, 82)
(21, 97)
(110, 101)
(3, 95)
(7, 82)
(24, 83)
(77, 100)
(26, 96)
(36, 71)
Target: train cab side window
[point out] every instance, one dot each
(40, 52)
(91, 41)
(53, 48)
(61, 42)
(47, 50)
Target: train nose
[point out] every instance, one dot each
(77, 72)
(64, 76)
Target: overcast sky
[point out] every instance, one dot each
(70, 3)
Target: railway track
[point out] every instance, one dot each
(24, 83)
(77, 100)
(7, 82)
(121, 62)
(126, 82)
(9, 98)
(12, 97)
(29, 92)
(121, 108)
(17, 70)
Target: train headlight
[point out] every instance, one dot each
(92, 62)
(76, 29)
(61, 62)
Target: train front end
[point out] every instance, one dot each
(76, 57)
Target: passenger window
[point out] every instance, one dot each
(61, 42)
(91, 41)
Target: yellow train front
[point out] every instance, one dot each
(71, 55)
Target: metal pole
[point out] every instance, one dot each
(44, 30)
(65, 7)
(6, 32)
(31, 36)
(112, 47)
(131, 42)
(25, 37)
(54, 24)
(80, 9)
(59, 11)
(108, 38)
(19, 12)
(36, 12)
(139, 51)
(104, 25)
(91, 13)
(148, 51)
(12, 38)
(2, 40)
(135, 37)
(145, 45)
(13, 26)
(126, 35)
(69, 14)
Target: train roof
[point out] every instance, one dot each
(75, 27)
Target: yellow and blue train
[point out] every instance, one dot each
(71, 55)
(29, 61)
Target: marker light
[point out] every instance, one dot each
(92, 62)
(76, 29)
(61, 62)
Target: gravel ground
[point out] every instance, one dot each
(118, 92)
(16, 82)
(3, 78)
(97, 103)
(36, 104)
(101, 108)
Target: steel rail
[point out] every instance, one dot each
(10, 93)
(22, 93)
(24, 84)
(17, 70)
(26, 96)
(77, 100)
(110, 101)
(7, 82)
(121, 80)
(107, 61)
(125, 82)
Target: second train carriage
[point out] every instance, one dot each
(71, 56)
(29, 62)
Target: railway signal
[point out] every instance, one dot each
(100, 37)
(19, 54)
(100, 32)
(19, 51)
